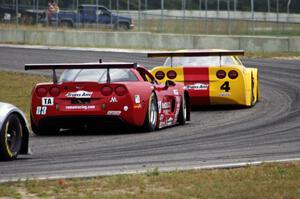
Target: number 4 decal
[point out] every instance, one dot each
(225, 86)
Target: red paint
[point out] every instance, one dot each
(194, 76)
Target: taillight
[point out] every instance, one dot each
(233, 74)
(171, 74)
(54, 91)
(120, 90)
(159, 75)
(106, 90)
(41, 92)
(221, 74)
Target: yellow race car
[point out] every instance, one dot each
(212, 77)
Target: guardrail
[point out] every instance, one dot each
(144, 40)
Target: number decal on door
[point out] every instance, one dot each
(225, 86)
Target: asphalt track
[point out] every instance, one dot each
(215, 136)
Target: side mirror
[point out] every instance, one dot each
(169, 83)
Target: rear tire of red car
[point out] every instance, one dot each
(37, 130)
(150, 123)
(182, 112)
(11, 136)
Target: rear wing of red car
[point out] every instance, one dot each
(197, 53)
(99, 65)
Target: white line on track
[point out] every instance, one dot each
(91, 173)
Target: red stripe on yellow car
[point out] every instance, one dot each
(197, 83)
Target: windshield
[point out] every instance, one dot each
(201, 61)
(97, 75)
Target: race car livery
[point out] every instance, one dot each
(212, 77)
(98, 93)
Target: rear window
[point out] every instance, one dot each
(200, 61)
(97, 75)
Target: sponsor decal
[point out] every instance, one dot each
(125, 108)
(137, 106)
(137, 99)
(169, 121)
(162, 124)
(79, 94)
(198, 86)
(161, 117)
(114, 113)
(166, 105)
(175, 91)
(47, 101)
(82, 107)
(41, 110)
(159, 106)
(113, 100)
(224, 94)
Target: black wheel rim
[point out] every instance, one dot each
(13, 134)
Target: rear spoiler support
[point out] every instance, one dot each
(100, 65)
(54, 76)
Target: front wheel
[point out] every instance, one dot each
(151, 115)
(11, 136)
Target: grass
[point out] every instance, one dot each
(16, 89)
(272, 181)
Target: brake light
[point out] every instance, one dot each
(54, 91)
(106, 90)
(233, 74)
(171, 74)
(159, 75)
(120, 90)
(221, 74)
(41, 91)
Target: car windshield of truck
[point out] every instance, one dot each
(97, 75)
(201, 61)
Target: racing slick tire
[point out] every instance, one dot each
(151, 115)
(182, 112)
(37, 130)
(253, 101)
(11, 136)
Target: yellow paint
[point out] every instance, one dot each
(236, 94)
(240, 92)
(178, 70)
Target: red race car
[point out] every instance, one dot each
(91, 94)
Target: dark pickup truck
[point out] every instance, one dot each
(91, 14)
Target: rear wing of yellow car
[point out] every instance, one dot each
(54, 66)
(197, 53)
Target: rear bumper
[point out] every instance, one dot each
(213, 100)
(81, 121)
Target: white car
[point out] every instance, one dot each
(14, 132)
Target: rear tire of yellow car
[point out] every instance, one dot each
(151, 118)
(182, 112)
(253, 101)
(11, 136)
(258, 90)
